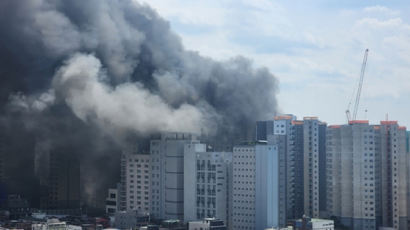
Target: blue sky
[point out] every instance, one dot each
(314, 48)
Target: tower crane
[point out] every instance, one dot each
(359, 90)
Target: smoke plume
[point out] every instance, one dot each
(86, 74)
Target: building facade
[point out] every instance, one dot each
(393, 157)
(351, 174)
(112, 202)
(206, 183)
(167, 176)
(255, 182)
(302, 154)
(367, 175)
(63, 190)
(135, 182)
(311, 153)
(207, 223)
(307, 223)
(284, 139)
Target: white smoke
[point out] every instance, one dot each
(126, 106)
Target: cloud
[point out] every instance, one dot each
(377, 9)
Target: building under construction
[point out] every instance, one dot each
(367, 174)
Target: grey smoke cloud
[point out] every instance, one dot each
(128, 106)
(82, 67)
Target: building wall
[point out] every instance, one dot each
(137, 183)
(373, 169)
(255, 187)
(267, 187)
(111, 205)
(346, 188)
(206, 183)
(351, 154)
(302, 162)
(243, 188)
(322, 169)
(167, 165)
(283, 139)
(333, 168)
(263, 130)
(64, 181)
(394, 180)
(298, 169)
(311, 166)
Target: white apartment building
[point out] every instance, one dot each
(206, 183)
(255, 177)
(135, 182)
(167, 176)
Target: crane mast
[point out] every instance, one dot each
(359, 89)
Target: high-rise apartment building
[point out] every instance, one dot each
(135, 182)
(351, 174)
(255, 182)
(297, 130)
(167, 175)
(284, 139)
(301, 149)
(394, 175)
(206, 183)
(367, 175)
(311, 157)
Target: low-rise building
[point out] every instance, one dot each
(207, 224)
(285, 228)
(307, 223)
(130, 219)
(54, 224)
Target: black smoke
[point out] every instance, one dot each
(84, 75)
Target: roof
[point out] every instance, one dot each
(310, 118)
(388, 122)
(283, 117)
(358, 122)
(297, 122)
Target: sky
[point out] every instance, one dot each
(314, 48)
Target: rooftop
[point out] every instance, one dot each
(358, 122)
